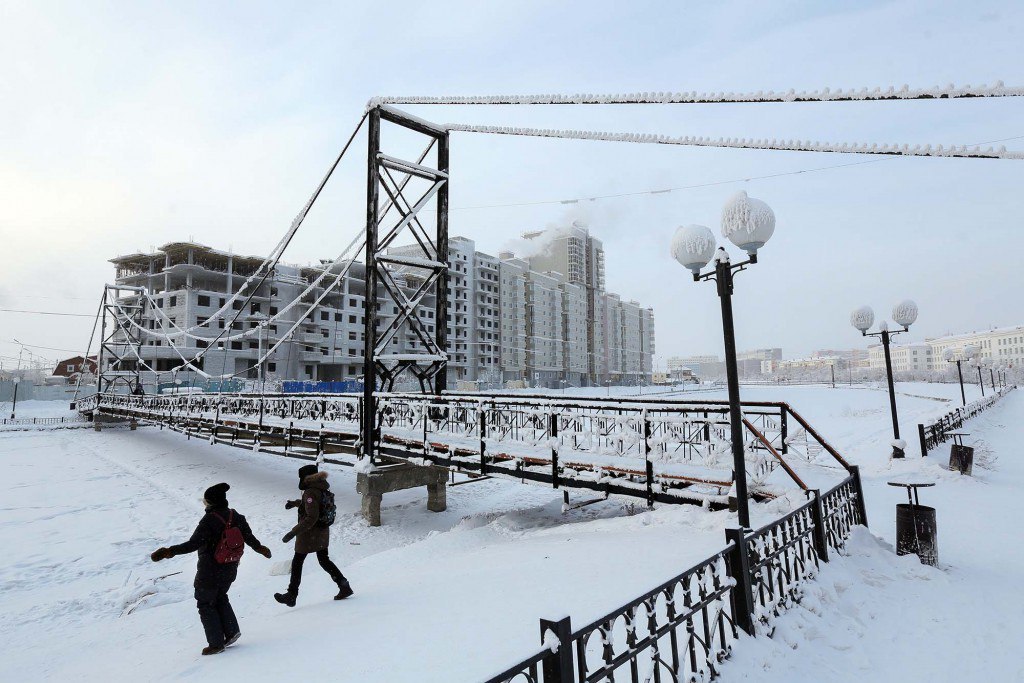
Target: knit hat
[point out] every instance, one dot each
(217, 495)
(306, 470)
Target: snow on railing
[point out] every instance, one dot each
(905, 92)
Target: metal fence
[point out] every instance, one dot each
(938, 432)
(685, 628)
(42, 421)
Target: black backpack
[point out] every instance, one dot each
(327, 510)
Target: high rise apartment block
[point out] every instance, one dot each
(509, 318)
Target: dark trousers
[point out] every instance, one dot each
(325, 561)
(215, 612)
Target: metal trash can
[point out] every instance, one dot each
(961, 459)
(917, 533)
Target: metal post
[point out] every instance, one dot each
(557, 667)
(960, 374)
(923, 440)
(370, 313)
(441, 289)
(833, 375)
(739, 569)
(818, 519)
(14, 406)
(981, 382)
(723, 276)
(896, 452)
(992, 377)
(862, 507)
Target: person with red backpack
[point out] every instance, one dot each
(219, 539)
(312, 534)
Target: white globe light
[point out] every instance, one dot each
(948, 354)
(748, 223)
(862, 318)
(905, 313)
(970, 351)
(693, 246)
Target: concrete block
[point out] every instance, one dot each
(373, 485)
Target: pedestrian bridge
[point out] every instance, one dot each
(657, 449)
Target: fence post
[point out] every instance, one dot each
(818, 519)
(553, 441)
(739, 569)
(783, 430)
(924, 442)
(557, 666)
(862, 508)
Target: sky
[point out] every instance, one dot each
(125, 126)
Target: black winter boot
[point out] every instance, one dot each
(210, 650)
(344, 590)
(287, 598)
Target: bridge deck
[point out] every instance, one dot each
(655, 449)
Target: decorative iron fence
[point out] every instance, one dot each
(42, 421)
(938, 432)
(685, 628)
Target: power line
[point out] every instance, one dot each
(73, 315)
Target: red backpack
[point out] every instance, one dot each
(231, 544)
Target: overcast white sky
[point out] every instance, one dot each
(128, 125)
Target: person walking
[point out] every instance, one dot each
(312, 534)
(219, 539)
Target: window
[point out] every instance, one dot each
(324, 315)
(173, 301)
(254, 345)
(71, 367)
(222, 302)
(236, 305)
(352, 319)
(271, 367)
(203, 300)
(352, 336)
(236, 345)
(338, 318)
(255, 307)
(201, 344)
(273, 310)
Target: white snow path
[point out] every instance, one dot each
(456, 596)
(875, 616)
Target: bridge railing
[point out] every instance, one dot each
(654, 441)
(684, 629)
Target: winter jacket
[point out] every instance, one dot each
(209, 573)
(310, 537)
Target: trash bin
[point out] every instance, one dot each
(916, 532)
(961, 459)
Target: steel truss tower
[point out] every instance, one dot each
(397, 191)
(118, 360)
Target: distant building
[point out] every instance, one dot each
(509, 319)
(73, 368)
(703, 367)
(911, 357)
(749, 362)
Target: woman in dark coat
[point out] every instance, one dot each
(311, 536)
(213, 578)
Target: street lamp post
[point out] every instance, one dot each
(949, 354)
(14, 405)
(748, 223)
(904, 315)
(991, 374)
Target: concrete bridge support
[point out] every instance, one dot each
(373, 485)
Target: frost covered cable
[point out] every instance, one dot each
(749, 143)
(905, 92)
(88, 348)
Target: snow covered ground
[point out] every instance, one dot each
(455, 596)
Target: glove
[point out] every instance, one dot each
(288, 537)
(264, 551)
(291, 504)
(161, 554)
